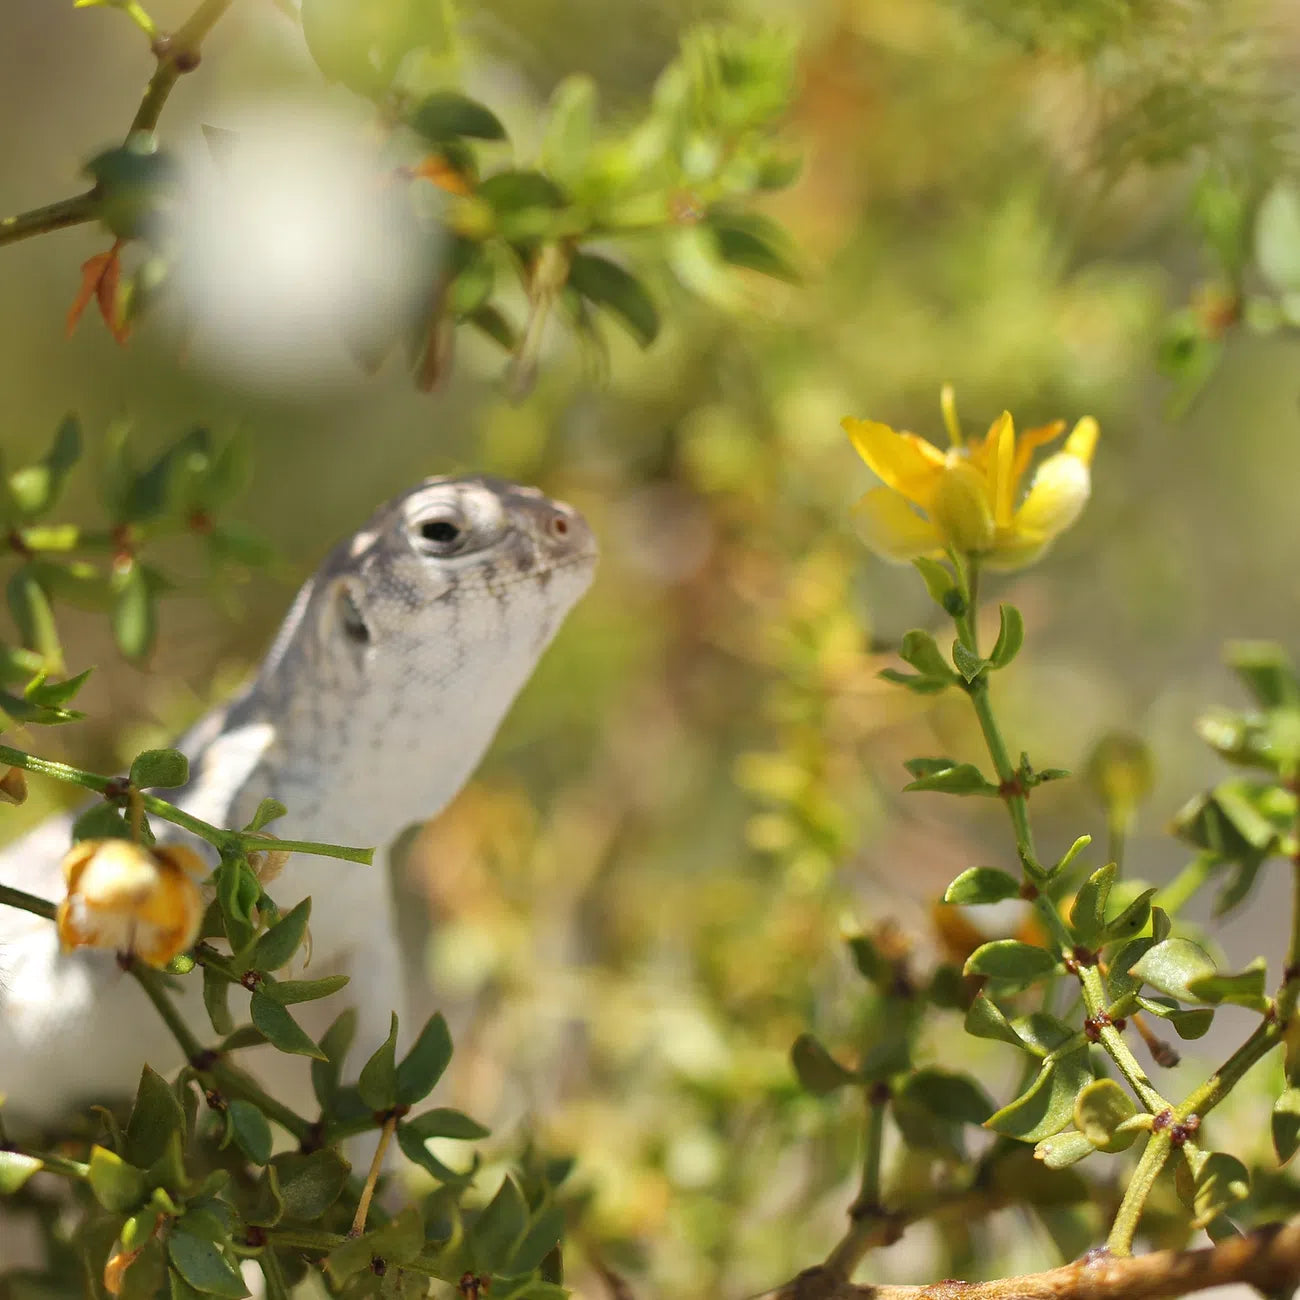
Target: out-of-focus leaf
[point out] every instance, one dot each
(610, 286)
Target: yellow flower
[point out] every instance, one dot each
(968, 498)
(128, 898)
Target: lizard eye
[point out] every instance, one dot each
(442, 534)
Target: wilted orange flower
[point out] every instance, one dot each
(128, 898)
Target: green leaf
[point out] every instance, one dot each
(490, 321)
(921, 650)
(1131, 920)
(1047, 1106)
(1277, 236)
(289, 992)
(1043, 1034)
(1013, 962)
(754, 242)
(414, 1149)
(472, 285)
(133, 182)
(280, 1028)
(960, 778)
(915, 683)
(445, 115)
(16, 1169)
(101, 821)
(1244, 988)
(203, 1265)
(608, 285)
(251, 1130)
(570, 126)
(1088, 915)
(36, 488)
(967, 662)
(1062, 1150)
(395, 1242)
(982, 885)
(1011, 636)
(1264, 668)
(117, 1186)
(984, 1020)
(163, 769)
(276, 947)
(938, 579)
(424, 1064)
(309, 1184)
(1171, 964)
(818, 1071)
(134, 616)
(543, 1236)
(377, 1082)
(30, 609)
(334, 1044)
(511, 192)
(238, 892)
(1188, 1023)
(1286, 1125)
(156, 1117)
(267, 811)
(499, 1228)
(1221, 1181)
(443, 1122)
(1099, 1110)
(868, 959)
(948, 1096)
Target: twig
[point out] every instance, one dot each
(1268, 1259)
(176, 55)
(376, 1165)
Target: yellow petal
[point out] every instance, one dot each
(962, 510)
(902, 461)
(1002, 440)
(891, 528)
(1082, 441)
(1055, 498)
(1030, 441)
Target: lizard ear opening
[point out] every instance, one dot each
(351, 619)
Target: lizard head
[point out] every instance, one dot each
(412, 640)
(463, 570)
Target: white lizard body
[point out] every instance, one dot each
(386, 683)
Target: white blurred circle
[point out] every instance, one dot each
(298, 249)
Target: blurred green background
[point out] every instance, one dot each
(637, 903)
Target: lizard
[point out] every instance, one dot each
(388, 679)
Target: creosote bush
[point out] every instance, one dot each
(1061, 984)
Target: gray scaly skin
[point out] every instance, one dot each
(385, 685)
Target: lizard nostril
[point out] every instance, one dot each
(559, 526)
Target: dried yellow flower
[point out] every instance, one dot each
(125, 897)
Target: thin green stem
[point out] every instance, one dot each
(74, 211)
(867, 1210)
(177, 55)
(152, 982)
(372, 1178)
(1096, 1000)
(224, 841)
(10, 897)
(1186, 884)
(1141, 1181)
(52, 1163)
